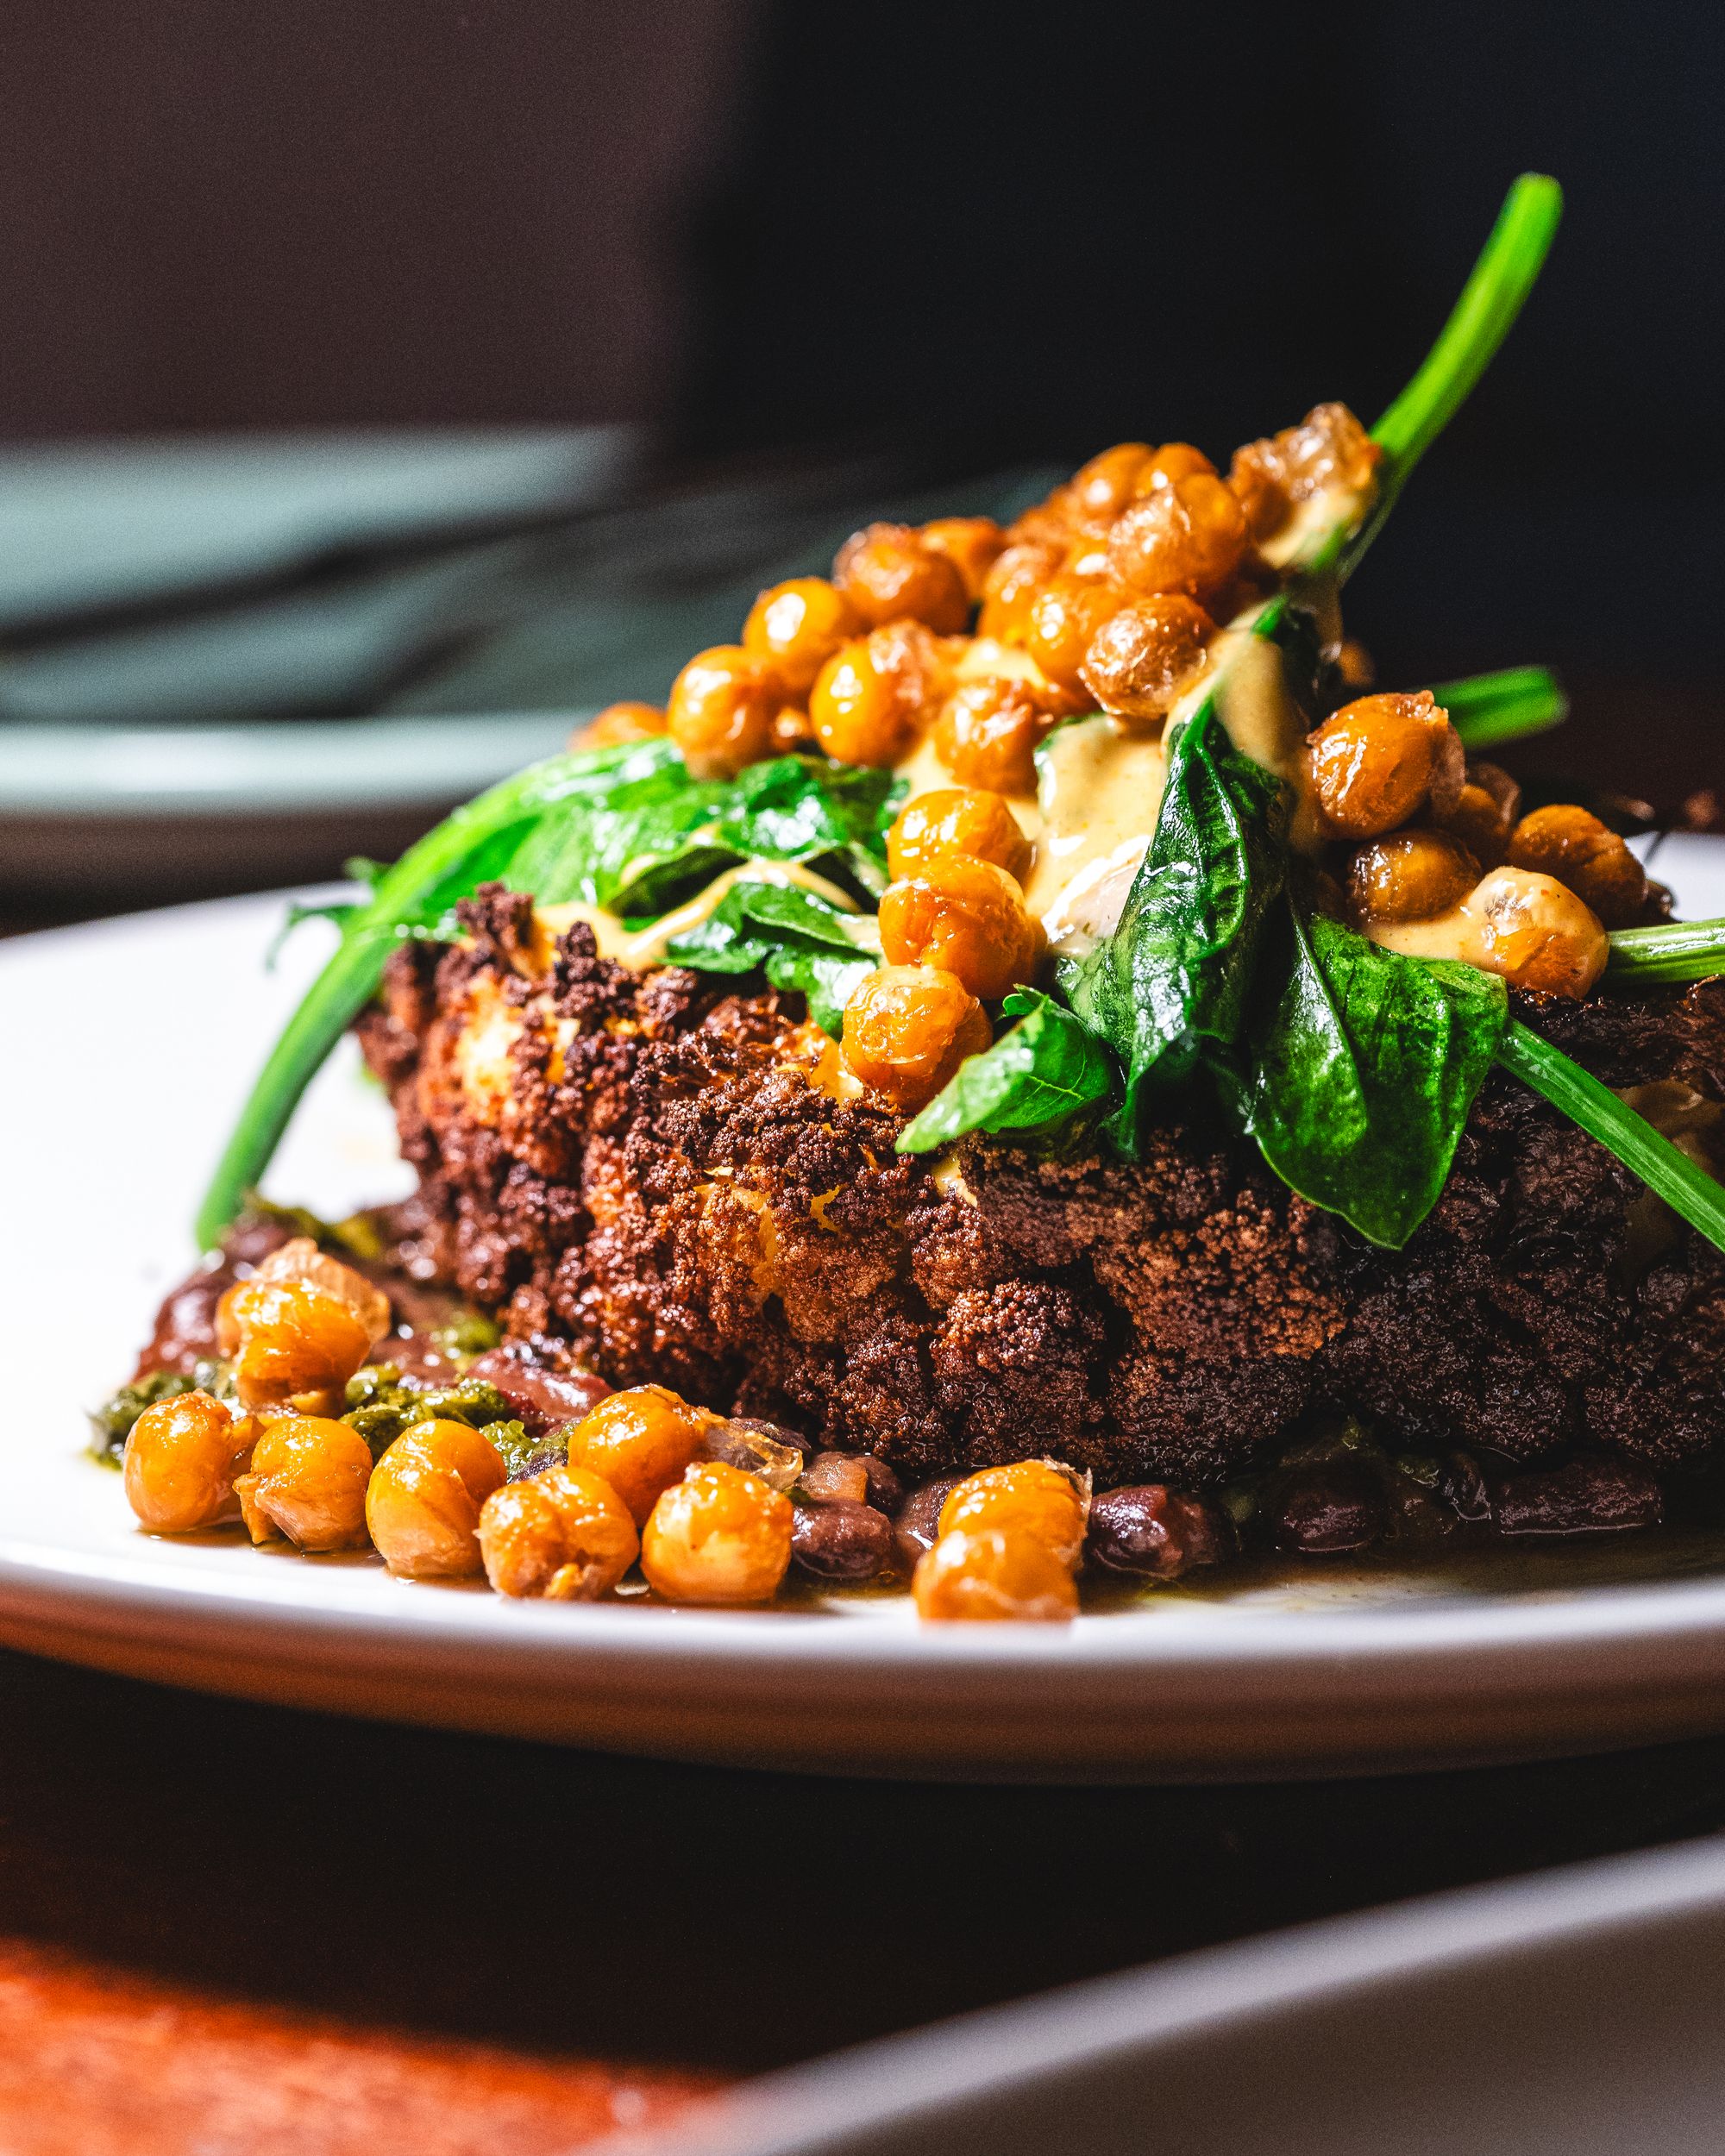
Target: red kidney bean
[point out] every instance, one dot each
(917, 1525)
(841, 1541)
(542, 1397)
(1153, 1531)
(1326, 1509)
(1585, 1497)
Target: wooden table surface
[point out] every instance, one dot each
(230, 1927)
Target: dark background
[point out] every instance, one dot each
(980, 232)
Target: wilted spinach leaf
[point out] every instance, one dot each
(794, 937)
(1047, 1068)
(1366, 1064)
(1172, 982)
(630, 829)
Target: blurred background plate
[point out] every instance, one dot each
(1579, 2014)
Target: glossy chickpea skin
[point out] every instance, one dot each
(1376, 762)
(299, 1327)
(971, 544)
(1040, 1498)
(1142, 659)
(722, 706)
(1574, 845)
(991, 1576)
(957, 820)
(639, 1442)
(619, 723)
(183, 1458)
(1173, 460)
(307, 1484)
(795, 628)
(1484, 814)
(1063, 617)
(907, 1028)
(1409, 875)
(423, 1499)
(873, 697)
(966, 917)
(988, 732)
(890, 573)
(1189, 536)
(1103, 487)
(718, 1536)
(1536, 932)
(564, 1536)
(1012, 584)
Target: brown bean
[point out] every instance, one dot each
(1327, 1509)
(1589, 1496)
(917, 1524)
(842, 1541)
(540, 1397)
(1153, 1531)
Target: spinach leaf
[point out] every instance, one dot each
(1365, 1065)
(1171, 986)
(626, 827)
(1047, 1068)
(795, 937)
(636, 833)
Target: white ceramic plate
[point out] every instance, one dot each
(1578, 2013)
(127, 1046)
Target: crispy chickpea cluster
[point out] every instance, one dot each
(1436, 858)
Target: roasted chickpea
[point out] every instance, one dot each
(1141, 660)
(971, 544)
(1259, 483)
(182, 1460)
(890, 573)
(1012, 584)
(565, 1536)
(1484, 813)
(307, 1481)
(422, 1503)
(957, 820)
(1041, 1498)
(720, 1535)
(988, 732)
(299, 1327)
(1188, 536)
(967, 917)
(639, 1442)
(1063, 618)
(872, 696)
(907, 1028)
(1102, 487)
(1377, 760)
(1329, 447)
(1409, 876)
(1536, 932)
(1173, 460)
(795, 628)
(1579, 850)
(722, 709)
(619, 724)
(992, 1574)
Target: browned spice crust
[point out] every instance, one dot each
(651, 1191)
